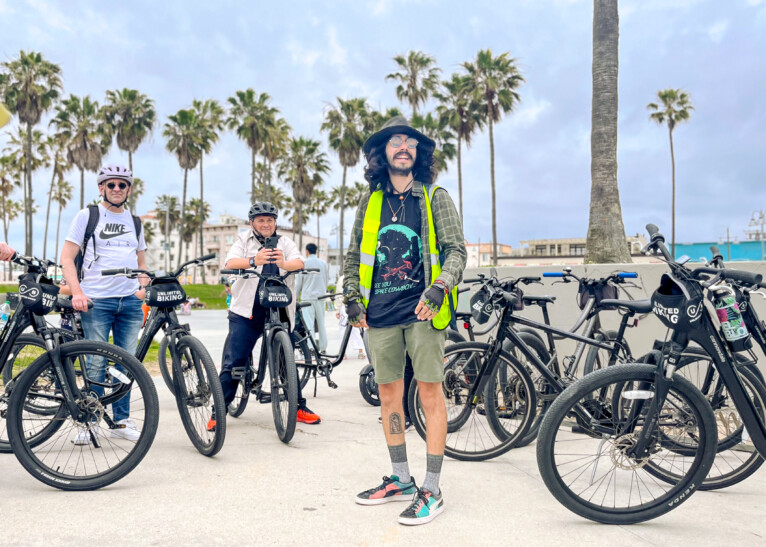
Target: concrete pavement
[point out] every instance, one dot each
(258, 490)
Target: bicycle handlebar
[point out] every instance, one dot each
(553, 274)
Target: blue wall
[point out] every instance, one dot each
(700, 252)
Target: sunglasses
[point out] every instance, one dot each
(396, 141)
(121, 185)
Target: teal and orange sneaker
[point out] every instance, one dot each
(392, 489)
(425, 507)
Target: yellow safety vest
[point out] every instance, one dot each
(370, 245)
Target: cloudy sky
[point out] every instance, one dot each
(305, 54)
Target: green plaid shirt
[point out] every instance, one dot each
(449, 237)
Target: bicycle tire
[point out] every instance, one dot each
(499, 384)
(166, 370)
(198, 393)
(368, 386)
(598, 358)
(593, 392)
(304, 362)
(468, 436)
(284, 386)
(238, 405)
(44, 461)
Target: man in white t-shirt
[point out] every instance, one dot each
(116, 300)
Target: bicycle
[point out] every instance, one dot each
(192, 377)
(56, 409)
(656, 428)
(277, 351)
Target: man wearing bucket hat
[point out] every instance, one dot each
(103, 237)
(405, 258)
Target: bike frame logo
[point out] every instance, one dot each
(30, 293)
(694, 312)
(671, 314)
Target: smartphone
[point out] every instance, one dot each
(271, 242)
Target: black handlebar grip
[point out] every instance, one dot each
(232, 272)
(114, 271)
(748, 278)
(311, 269)
(715, 250)
(652, 230)
(473, 280)
(464, 289)
(510, 298)
(207, 257)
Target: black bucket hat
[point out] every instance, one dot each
(397, 124)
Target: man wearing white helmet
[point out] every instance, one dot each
(103, 237)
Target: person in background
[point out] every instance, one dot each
(308, 288)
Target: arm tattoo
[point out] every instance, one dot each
(395, 423)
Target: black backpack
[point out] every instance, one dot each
(90, 233)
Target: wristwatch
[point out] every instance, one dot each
(252, 262)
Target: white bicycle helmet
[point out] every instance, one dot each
(115, 172)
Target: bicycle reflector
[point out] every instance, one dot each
(481, 305)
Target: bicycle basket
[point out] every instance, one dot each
(599, 291)
(481, 305)
(273, 293)
(38, 293)
(675, 306)
(165, 295)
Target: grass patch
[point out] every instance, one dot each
(213, 296)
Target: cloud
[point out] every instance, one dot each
(337, 54)
(529, 112)
(717, 31)
(302, 55)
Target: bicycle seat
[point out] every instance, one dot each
(528, 300)
(636, 306)
(463, 316)
(303, 304)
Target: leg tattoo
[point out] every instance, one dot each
(395, 423)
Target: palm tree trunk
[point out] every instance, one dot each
(199, 215)
(460, 178)
(58, 226)
(342, 213)
(252, 175)
(28, 194)
(82, 188)
(494, 197)
(268, 179)
(181, 227)
(673, 206)
(5, 230)
(48, 210)
(131, 199)
(317, 230)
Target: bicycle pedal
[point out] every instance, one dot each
(264, 397)
(332, 384)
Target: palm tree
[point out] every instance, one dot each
(438, 129)
(168, 215)
(274, 147)
(61, 195)
(131, 116)
(280, 200)
(676, 108)
(10, 177)
(136, 191)
(79, 122)
(184, 137)
(417, 76)
(493, 82)
(606, 233)
(59, 166)
(149, 233)
(250, 116)
(31, 87)
(302, 167)
(461, 114)
(348, 125)
(200, 212)
(210, 115)
(320, 204)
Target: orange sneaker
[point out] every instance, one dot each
(307, 417)
(211, 424)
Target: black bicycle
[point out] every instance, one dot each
(629, 443)
(60, 409)
(192, 377)
(276, 354)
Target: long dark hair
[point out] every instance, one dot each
(376, 172)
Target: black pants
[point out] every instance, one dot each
(243, 334)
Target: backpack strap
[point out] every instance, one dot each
(90, 231)
(138, 226)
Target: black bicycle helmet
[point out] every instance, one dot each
(260, 208)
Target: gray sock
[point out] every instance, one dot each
(433, 471)
(399, 461)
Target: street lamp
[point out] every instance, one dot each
(759, 219)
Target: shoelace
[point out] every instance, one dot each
(386, 482)
(420, 500)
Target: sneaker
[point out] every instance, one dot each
(211, 424)
(306, 416)
(392, 489)
(83, 437)
(126, 429)
(425, 507)
(361, 355)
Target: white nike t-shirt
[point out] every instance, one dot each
(116, 247)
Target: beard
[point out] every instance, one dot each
(402, 172)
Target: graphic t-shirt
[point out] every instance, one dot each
(398, 280)
(116, 247)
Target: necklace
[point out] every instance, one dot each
(403, 201)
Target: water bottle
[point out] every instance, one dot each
(732, 323)
(5, 313)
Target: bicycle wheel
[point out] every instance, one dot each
(305, 361)
(598, 358)
(165, 359)
(469, 436)
(198, 393)
(736, 457)
(284, 386)
(587, 464)
(91, 451)
(368, 386)
(504, 393)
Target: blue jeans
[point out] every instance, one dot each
(122, 316)
(309, 313)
